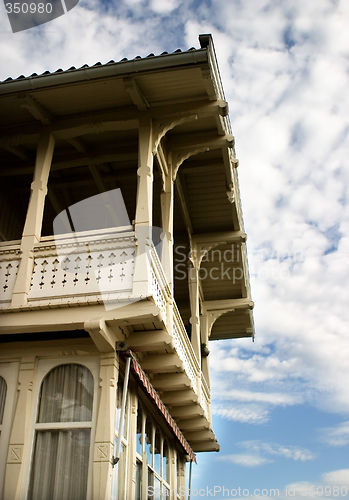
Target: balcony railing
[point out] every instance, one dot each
(9, 262)
(96, 267)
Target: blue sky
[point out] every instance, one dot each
(280, 404)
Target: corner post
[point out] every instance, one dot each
(166, 200)
(144, 209)
(105, 431)
(33, 223)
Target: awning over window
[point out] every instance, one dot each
(156, 398)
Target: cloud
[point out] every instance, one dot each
(243, 413)
(245, 460)
(257, 451)
(260, 397)
(336, 436)
(337, 477)
(291, 452)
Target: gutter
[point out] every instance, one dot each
(118, 69)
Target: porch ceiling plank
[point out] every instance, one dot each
(179, 398)
(171, 382)
(150, 340)
(163, 363)
(184, 412)
(193, 423)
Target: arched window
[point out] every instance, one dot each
(62, 435)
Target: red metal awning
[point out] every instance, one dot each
(156, 398)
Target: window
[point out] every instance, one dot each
(60, 461)
(152, 446)
(120, 469)
(8, 385)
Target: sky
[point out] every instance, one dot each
(280, 404)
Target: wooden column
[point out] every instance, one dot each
(193, 279)
(105, 428)
(166, 199)
(33, 223)
(204, 339)
(18, 453)
(144, 209)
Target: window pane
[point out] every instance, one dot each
(138, 495)
(66, 395)
(178, 465)
(118, 409)
(3, 390)
(165, 492)
(139, 430)
(148, 441)
(60, 465)
(119, 474)
(165, 468)
(157, 489)
(157, 452)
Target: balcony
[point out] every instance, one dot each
(99, 268)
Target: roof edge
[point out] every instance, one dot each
(108, 70)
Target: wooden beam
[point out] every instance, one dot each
(19, 151)
(36, 109)
(63, 162)
(214, 239)
(193, 424)
(228, 304)
(162, 363)
(122, 118)
(184, 412)
(136, 94)
(179, 398)
(198, 141)
(150, 341)
(171, 382)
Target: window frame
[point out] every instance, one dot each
(44, 366)
(149, 468)
(9, 372)
(125, 440)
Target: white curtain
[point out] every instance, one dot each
(61, 457)
(66, 395)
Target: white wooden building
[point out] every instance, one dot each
(103, 319)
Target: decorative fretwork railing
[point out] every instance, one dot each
(90, 264)
(205, 398)
(9, 262)
(185, 349)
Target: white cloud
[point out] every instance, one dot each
(284, 69)
(242, 413)
(336, 436)
(245, 460)
(337, 478)
(292, 452)
(260, 397)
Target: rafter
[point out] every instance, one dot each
(136, 94)
(36, 109)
